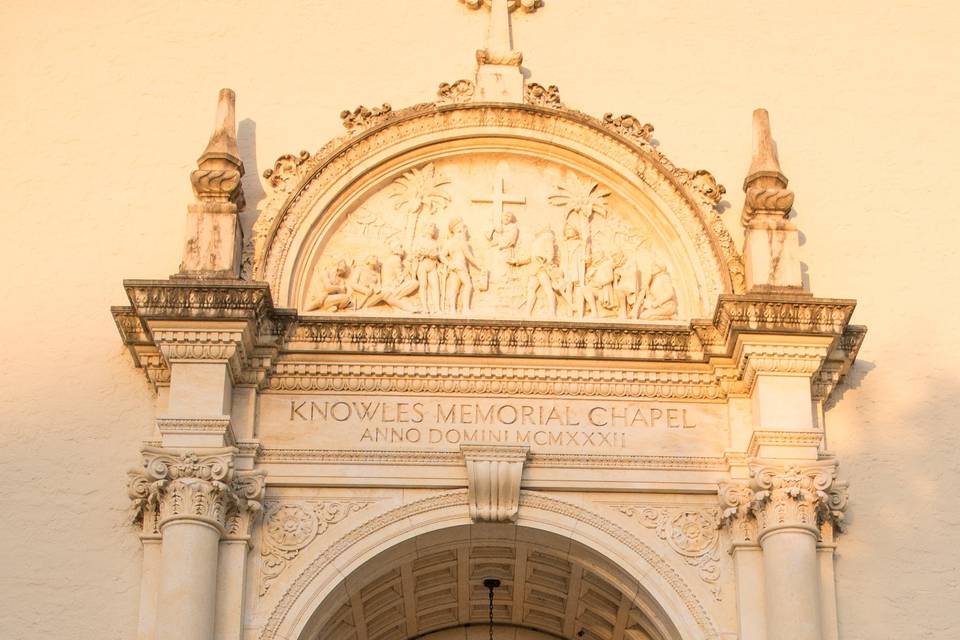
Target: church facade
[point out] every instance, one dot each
(487, 359)
(487, 365)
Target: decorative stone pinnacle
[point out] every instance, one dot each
(223, 141)
(765, 167)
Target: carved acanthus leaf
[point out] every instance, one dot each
(194, 485)
(805, 496)
(459, 92)
(363, 117)
(287, 170)
(541, 96)
(629, 126)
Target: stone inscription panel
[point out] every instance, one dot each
(444, 423)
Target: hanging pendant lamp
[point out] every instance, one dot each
(491, 584)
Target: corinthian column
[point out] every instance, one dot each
(790, 504)
(192, 495)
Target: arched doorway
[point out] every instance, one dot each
(431, 587)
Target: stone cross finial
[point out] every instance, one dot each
(498, 72)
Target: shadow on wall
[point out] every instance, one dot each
(252, 188)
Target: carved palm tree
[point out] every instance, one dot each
(583, 199)
(417, 192)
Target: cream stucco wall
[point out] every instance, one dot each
(105, 106)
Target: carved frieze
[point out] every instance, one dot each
(276, 223)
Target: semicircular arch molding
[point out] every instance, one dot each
(624, 559)
(658, 208)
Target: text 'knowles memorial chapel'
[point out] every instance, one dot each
(487, 365)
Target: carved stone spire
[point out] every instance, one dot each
(771, 245)
(498, 71)
(214, 238)
(222, 151)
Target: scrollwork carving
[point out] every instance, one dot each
(363, 117)
(289, 528)
(537, 94)
(286, 171)
(459, 92)
(796, 496)
(629, 126)
(691, 533)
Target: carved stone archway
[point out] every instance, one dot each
(582, 550)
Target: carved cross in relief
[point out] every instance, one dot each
(499, 198)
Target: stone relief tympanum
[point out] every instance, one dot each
(543, 241)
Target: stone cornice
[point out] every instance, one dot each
(791, 334)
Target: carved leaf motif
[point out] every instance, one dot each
(290, 528)
(363, 117)
(541, 96)
(585, 198)
(457, 93)
(286, 171)
(629, 126)
(691, 533)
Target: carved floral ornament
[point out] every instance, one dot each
(290, 527)
(690, 532)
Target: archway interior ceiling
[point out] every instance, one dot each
(548, 584)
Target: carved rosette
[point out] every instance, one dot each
(192, 485)
(691, 533)
(289, 528)
(791, 496)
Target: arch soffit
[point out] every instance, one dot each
(293, 613)
(304, 184)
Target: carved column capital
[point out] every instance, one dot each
(190, 485)
(493, 481)
(796, 495)
(784, 496)
(736, 499)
